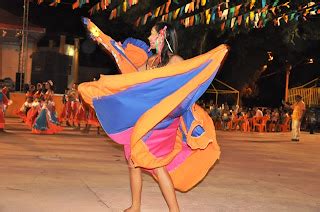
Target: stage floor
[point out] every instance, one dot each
(76, 172)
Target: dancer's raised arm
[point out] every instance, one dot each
(129, 56)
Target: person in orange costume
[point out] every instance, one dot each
(22, 112)
(46, 121)
(152, 113)
(3, 104)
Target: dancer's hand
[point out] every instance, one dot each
(95, 32)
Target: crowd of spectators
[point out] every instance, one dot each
(227, 117)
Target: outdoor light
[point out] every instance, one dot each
(18, 33)
(310, 61)
(69, 50)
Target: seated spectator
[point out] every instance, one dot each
(226, 117)
(258, 113)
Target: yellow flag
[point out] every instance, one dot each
(208, 18)
(186, 8)
(251, 15)
(252, 4)
(156, 13)
(124, 7)
(175, 14)
(247, 20)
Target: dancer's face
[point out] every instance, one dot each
(153, 38)
(75, 86)
(47, 86)
(32, 88)
(39, 86)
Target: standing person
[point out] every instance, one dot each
(39, 91)
(163, 39)
(259, 113)
(153, 113)
(47, 122)
(299, 109)
(3, 104)
(64, 114)
(73, 106)
(33, 111)
(311, 119)
(22, 112)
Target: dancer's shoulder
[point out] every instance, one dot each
(175, 59)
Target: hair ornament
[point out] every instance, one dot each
(50, 82)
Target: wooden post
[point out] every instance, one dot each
(217, 98)
(288, 69)
(51, 43)
(238, 99)
(76, 60)
(62, 44)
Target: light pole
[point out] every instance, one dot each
(23, 47)
(288, 69)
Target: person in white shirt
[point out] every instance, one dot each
(258, 113)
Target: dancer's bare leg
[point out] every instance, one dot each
(136, 188)
(77, 128)
(167, 188)
(86, 129)
(98, 130)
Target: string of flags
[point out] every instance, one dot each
(252, 14)
(191, 7)
(101, 5)
(76, 4)
(197, 13)
(117, 11)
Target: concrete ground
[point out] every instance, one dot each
(88, 173)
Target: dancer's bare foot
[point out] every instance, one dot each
(132, 209)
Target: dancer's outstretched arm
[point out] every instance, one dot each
(125, 65)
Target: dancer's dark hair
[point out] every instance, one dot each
(170, 41)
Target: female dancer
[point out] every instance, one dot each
(47, 121)
(34, 109)
(163, 39)
(38, 92)
(3, 104)
(152, 113)
(23, 111)
(73, 105)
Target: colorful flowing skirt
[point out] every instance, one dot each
(154, 115)
(46, 123)
(2, 121)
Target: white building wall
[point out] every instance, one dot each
(10, 61)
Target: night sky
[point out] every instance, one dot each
(248, 48)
